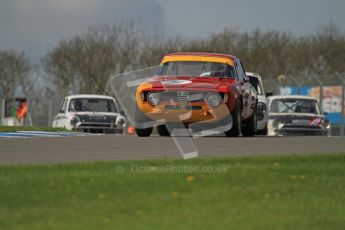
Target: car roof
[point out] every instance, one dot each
(251, 74)
(88, 96)
(203, 54)
(291, 97)
(198, 56)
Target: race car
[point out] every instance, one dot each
(90, 113)
(262, 113)
(296, 115)
(197, 91)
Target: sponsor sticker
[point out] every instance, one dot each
(315, 122)
(176, 82)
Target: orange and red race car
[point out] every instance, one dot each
(197, 91)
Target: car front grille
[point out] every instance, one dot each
(97, 125)
(183, 96)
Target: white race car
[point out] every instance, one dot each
(262, 114)
(90, 113)
(296, 115)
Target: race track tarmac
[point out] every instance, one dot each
(109, 147)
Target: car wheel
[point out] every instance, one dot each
(142, 124)
(163, 131)
(236, 122)
(144, 132)
(249, 126)
(262, 132)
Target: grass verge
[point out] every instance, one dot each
(280, 192)
(29, 128)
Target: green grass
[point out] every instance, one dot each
(29, 128)
(280, 192)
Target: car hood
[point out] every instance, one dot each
(288, 117)
(191, 83)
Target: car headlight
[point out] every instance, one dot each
(121, 122)
(213, 99)
(261, 108)
(277, 124)
(326, 123)
(74, 121)
(154, 98)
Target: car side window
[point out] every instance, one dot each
(240, 71)
(63, 106)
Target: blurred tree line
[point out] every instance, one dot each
(14, 73)
(83, 63)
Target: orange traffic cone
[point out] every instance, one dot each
(131, 130)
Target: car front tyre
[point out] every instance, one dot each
(263, 132)
(236, 122)
(249, 126)
(140, 121)
(144, 132)
(163, 131)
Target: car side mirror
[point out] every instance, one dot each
(246, 79)
(122, 113)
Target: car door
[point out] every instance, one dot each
(60, 118)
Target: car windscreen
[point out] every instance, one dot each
(92, 105)
(195, 69)
(254, 81)
(294, 106)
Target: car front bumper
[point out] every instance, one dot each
(190, 113)
(302, 131)
(89, 127)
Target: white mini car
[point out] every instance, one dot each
(90, 113)
(296, 115)
(262, 113)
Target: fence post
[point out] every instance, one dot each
(321, 97)
(297, 84)
(342, 111)
(2, 106)
(342, 104)
(49, 94)
(320, 83)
